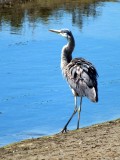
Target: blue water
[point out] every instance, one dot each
(35, 100)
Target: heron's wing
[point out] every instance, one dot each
(82, 78)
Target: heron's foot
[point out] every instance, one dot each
(77, 128)
(64, 130)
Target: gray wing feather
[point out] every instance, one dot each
(82, 78)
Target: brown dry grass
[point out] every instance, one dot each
(98, 142)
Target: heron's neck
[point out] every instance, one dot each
(66, 55)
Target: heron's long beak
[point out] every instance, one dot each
(55, 31)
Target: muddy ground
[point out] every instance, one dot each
(98, 142)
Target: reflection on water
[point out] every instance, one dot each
(34, 98)
(15, 12)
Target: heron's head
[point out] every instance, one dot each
(63, 32)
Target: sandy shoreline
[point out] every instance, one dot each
(100, 141)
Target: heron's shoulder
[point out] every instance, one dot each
(81, 65)
(81, 61)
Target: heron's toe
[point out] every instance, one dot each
(64, 130)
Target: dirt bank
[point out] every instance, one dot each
(98, 142)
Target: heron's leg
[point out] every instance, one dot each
(75, 110)
(79, 110)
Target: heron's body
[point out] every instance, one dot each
(81, 75)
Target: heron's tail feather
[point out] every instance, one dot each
(92, 94)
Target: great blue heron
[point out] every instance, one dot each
(81, 75)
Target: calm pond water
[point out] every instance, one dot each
(35, 100)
